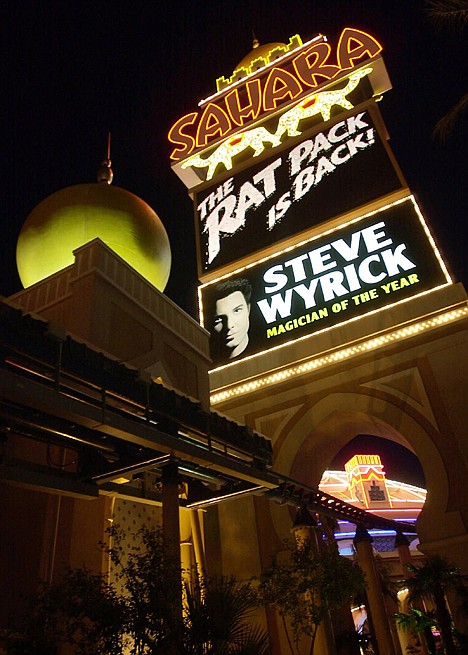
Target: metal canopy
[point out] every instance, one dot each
(108, 424)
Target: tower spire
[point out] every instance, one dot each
(105, 173)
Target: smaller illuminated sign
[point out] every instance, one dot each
(294, 189)
(367, 481)
(374, 261)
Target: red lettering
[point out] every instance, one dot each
(311, 64)
(214, 121)
(185, 140)
(353, 45)
(279, 85)
(239, 114)
(248, 100)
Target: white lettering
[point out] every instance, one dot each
(277, 305)
(276, 277)
(267, 176)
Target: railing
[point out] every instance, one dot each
(76, 370)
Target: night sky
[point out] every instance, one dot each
(73, 71)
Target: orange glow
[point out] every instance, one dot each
(178, 137)
(240, 114)
(308, 70)
(250, 93)
(280, 84)
(353, 45)
(214, 122)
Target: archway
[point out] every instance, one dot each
(312, 438)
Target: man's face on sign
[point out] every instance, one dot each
(232, 321)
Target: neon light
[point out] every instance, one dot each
(309, 71)
(289, 78)
(180, 138)
(214, 122)
(355, 44)
(280, 85)
(262, 61)
(250, 110)
(339, 355)
(312, 105)
(224, 154)
(318, 103)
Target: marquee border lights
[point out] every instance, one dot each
(341, 354)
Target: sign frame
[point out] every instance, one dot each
(294, 235)
(428, 267)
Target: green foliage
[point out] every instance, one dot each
(415, 621)
(218, 613)
(81, 610)
(430, 581)
(307, 586)
(149, 581)
(141, 614)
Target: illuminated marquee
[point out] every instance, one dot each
(294, 190)
(374, 261)
(367, 482)
(289, 124)
(271, 88)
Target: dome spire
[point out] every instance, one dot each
(105, 173)
(255, 41)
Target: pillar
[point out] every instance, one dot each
(305, 531)
(404, 555)
(363, 545)
(171, 526)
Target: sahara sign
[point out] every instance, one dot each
(324, 175)
(254, 94)
(374, 261)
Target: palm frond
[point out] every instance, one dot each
(448, 11)
(444, 127)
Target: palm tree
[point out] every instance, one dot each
(217, 618)
(449, 12)
(418, 623)
(139, 612)
(431, 581)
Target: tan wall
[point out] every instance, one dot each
(412, 393)
(103, 301)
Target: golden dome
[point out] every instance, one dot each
(78, 214)
(259, 51)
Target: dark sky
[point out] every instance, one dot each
(75, 70)
(399, 463)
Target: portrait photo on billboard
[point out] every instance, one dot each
(372, 262)
(320, 176)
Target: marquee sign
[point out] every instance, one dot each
(269, 86)
(374, 261)
(324, 175)
(290, 124)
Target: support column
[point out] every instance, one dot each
(171, 530)
(404, 555)
(170, 511)
(342, 618)
(305, 531)
(363, 544)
